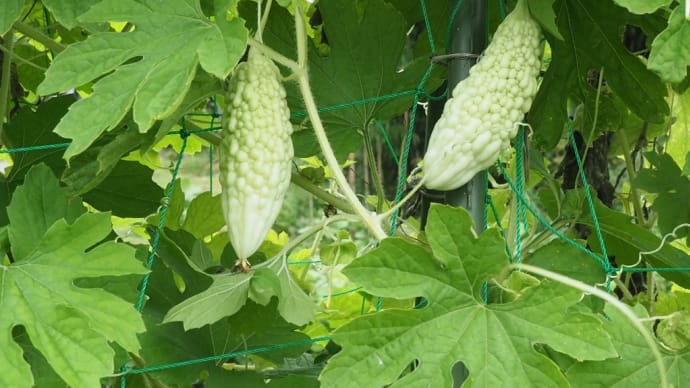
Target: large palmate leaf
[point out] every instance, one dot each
(366, 41)
(636, 365)
(592, 41)
(149, 69)
(494, 341)
(53, 246)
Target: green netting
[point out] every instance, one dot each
(517, 186)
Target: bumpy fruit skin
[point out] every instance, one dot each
(482, 116)
(256, 153)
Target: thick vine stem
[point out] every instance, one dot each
(38, 36)
(369, 218)
(264, 19)
(275, 56)
(618, 305)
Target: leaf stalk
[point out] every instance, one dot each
(369, 218)
(5, 78)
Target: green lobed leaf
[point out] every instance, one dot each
(672, 185)
(176, 207)
(674, 331)
(549, 109)
(265, 285)
(204, 86)
(128, 191)
(342, 251)
(75, 323)
(226, 295)
(257, 380)
(204, 216)
(44, 375)
(253, 326)
(203, 257)
(176, 249)
(635, 366)
(591, 42)
(366, 44)
(229, 292)
(9, 12)
(66, 12)
(560, 257)
(438, 17)
(641, 7)
(494, 341)
(30, 76)
(33, 128)
(542, 12)
(625, 241)
(89, 169)
(35, 207)
(670, 54)
(294, 305)
(167, 44)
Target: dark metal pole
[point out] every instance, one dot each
(468, 36)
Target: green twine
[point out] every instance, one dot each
(357, 102)
(34, 148)
(304, 262)
(427, 24)
(402, 168)
(520, 190)
(210, 147)
(449, 31)
(501, 230)
(662, 269)
(161, 220)
(502, 9)
(379, 124)
(211, 115)
(341, 293)
(194, 131)
(240, 353)
(590, 203)
(603, 262)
